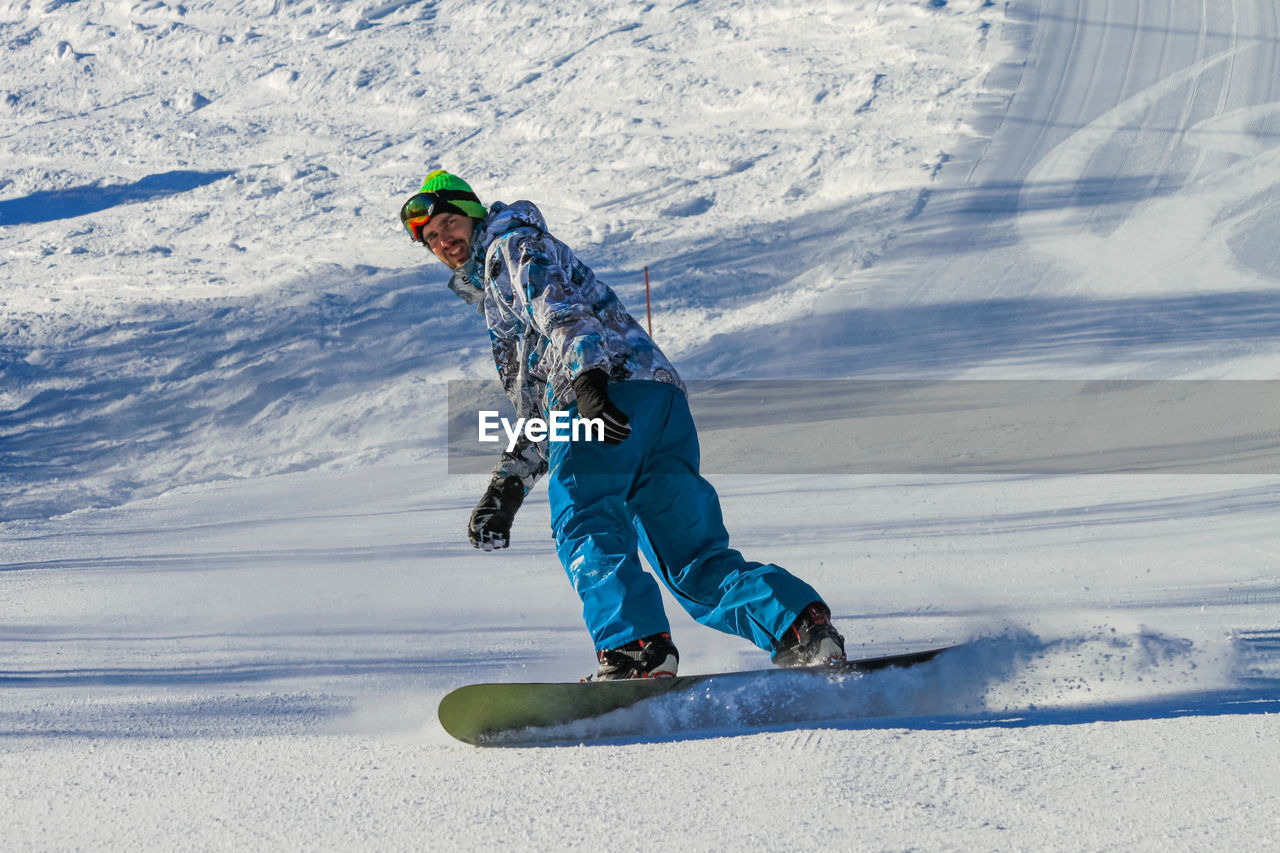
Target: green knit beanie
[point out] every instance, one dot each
(468, 204)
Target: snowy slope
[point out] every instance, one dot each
(199, 204)
(232, 576)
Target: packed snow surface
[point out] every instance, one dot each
(233, 574)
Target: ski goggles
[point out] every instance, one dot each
(419, 209)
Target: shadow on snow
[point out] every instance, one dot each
(52, 205)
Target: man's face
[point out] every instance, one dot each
(448, 236)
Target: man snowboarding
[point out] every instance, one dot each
(563, 342)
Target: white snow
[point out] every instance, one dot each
(234, 581)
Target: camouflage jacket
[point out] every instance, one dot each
(549, 320)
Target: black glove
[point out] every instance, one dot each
(490, 525)
(592, 390)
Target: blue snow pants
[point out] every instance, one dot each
(646, 493)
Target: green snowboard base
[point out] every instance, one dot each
(482, 713)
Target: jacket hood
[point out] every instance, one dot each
(503, 218)
(467, 280)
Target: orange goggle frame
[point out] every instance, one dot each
(419, 209)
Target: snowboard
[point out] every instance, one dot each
(483, 714)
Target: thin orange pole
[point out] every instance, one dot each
(648, 306)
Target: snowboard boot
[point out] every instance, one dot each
(811, 640)
(651, 657)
